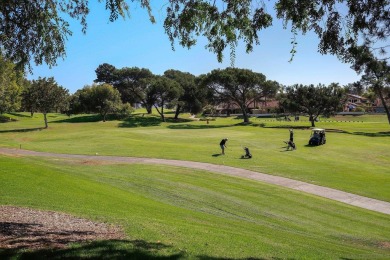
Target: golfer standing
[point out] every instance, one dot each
(291, 135)
(223, 145)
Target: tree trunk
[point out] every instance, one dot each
(384, 105)
(245, 115)
(312, 120)
(178, 107)
(45, 118)
(148, 109)
(161, 113)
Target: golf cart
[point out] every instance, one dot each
(317, 136)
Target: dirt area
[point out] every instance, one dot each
(33, 229)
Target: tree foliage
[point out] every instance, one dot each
(38, 29)
(194, 96)
(223, 24)
(10, 86)
(340, 25)
(165, 92)
(48, 96)
(313, 100)
(132, 83)
(355, 88)
(238, 86)
(377, 77)
(98, 98)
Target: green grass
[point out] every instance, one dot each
(170, 212)
(355, 160)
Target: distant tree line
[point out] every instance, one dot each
(116, 91)
(356, 32)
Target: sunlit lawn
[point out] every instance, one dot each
(170, 212)
(356, 160)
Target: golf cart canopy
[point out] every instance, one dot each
(317, 136)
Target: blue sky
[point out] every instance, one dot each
(137, 42)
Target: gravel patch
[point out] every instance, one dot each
(35, 229)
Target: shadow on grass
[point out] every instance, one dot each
(141, 121)
(22, 130)
(83, 119)
(206, 126)
(19, 114)
(378, 134)
(248, 258)
(105, 249)
(6, 119)
(287, 127)
(148, 120)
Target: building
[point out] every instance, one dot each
(356, 103)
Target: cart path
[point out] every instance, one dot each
(329, 193)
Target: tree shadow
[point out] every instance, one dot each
(289, 127)
(19, 114)
(140, 121)
(197, 126)
(378, 134)
(6, 119)
(82, 119)
(247, 258)
(104, 249)
(179, 120)
(22, 130)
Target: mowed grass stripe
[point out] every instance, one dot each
(196, 212)
(355, 163)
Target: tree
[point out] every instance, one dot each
(339, 25)
(38, 29)
(106, 73)
(29, 99)
(376, 73)
(49, 96)
(10, 86)
(132, 83)
(102, 99)
(356, 88)
(193, 97)
(377, 76)
(165, 91)
(238, 86)
(270, 89)
(313, 100)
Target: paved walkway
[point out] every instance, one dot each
(341, 196)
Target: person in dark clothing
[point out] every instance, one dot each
(321, 137)
(222, 144)
(291, 135)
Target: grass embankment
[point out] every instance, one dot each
(355, 160)
(170, 212)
